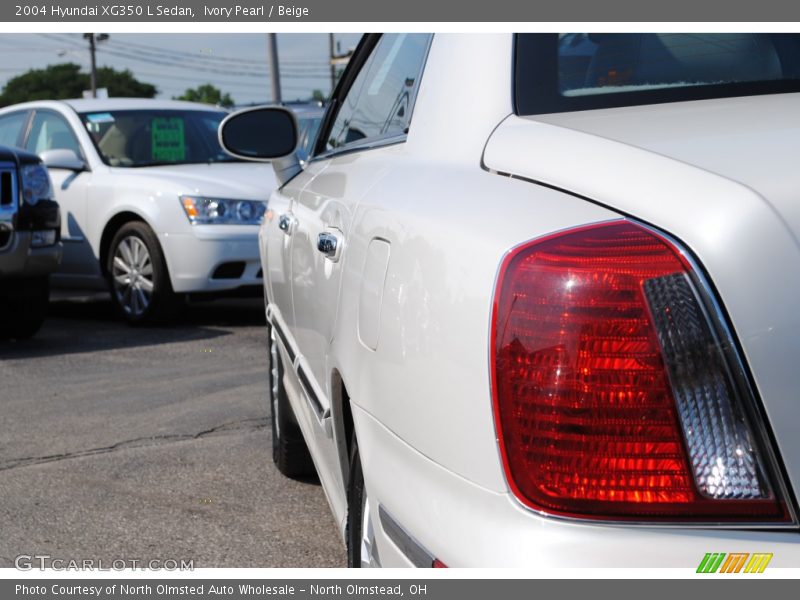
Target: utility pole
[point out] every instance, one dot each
(331, 48)
(337, 60)
(94, 39)
(274, 70)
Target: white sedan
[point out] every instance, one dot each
(151, 205)
(533, 299)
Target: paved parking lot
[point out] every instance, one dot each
(150, 443)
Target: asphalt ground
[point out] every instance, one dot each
(150, 444)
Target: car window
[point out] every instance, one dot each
(50, 131)
(308, 134)
(11, 126)
(585, 71)
(379, 103)
(144, 137)
(595, 63)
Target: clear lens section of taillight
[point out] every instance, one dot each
(614, 396)
(719, 442)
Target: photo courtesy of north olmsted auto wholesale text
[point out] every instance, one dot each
(296, 299)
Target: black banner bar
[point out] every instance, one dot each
(333, 11)
(366, 589)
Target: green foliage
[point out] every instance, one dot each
(318, 96)
(57, 82)
(54, 82)
(122, 84)
(207, 94)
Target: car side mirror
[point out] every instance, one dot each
(62, 158)
(265, 133)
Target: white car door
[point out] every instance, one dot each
(374, 108)
(50, 131)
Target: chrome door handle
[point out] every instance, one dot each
(286, 223)
(328, 244)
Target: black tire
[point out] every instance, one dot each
(289, 450)
(142, 293)
(27, 308)
(356, 504)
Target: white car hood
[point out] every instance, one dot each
(236, 180)
(722, 177)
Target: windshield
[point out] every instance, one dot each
(583, 71)
(143, 138)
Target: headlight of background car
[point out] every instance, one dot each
(220, 210)
(35, 183)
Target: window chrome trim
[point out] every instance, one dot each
(368, 145)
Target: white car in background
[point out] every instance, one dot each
(151, 205)
(533, 299)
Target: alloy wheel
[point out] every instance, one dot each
(132, 275)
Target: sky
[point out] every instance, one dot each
(173, 62)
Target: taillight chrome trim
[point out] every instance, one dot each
(765, 440)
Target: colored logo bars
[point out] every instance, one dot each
(741, 562)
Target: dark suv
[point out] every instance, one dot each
(30, 242)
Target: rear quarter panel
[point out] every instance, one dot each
(428, 380)
(749, 253)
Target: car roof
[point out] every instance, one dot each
(82, 105)
(97, 104)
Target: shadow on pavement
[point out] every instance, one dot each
(89, 324)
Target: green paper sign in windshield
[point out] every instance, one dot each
(168, 141)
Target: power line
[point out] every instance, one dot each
(205, 69)
(167, 62)
(213, 57)
(249, 74)
(192, 56)
(62, 40)
(161, 52)
(293, 70)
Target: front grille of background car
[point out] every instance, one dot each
(8, 202)
(6, 188)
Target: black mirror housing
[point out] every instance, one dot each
(259, 134)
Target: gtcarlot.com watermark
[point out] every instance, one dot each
(30, 562)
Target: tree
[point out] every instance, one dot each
(122, 84)
(317, 96)
(207, 94)
(56, 82)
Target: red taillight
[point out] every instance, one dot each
(610, 386)
(437, 564)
